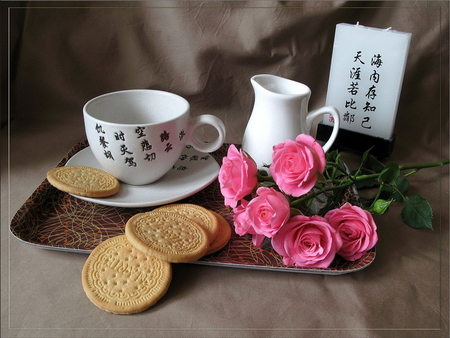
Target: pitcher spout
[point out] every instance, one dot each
(277, 85)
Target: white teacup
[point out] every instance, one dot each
(138, 135)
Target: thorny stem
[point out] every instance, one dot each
(425, 165)
(416, 167)
(344, 183)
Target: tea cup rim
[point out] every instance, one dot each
(119, 92)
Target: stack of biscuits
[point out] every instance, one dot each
(129, 273)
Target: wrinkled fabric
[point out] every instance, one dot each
(57, 55)
(204, 51)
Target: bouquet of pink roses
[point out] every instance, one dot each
(270, 206)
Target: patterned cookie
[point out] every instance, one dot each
(223, 237)
(167, 236)
(83, 181)
(200, 215)
(120, 279)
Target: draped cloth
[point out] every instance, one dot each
(58, 55)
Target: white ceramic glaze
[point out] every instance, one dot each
(138, 135)
(280, 112)
(192, 172)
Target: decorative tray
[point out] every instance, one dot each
(52, 219)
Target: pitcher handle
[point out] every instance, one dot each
(326, 110)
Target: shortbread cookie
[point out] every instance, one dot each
(200, 215)
(167, 236)
(83, 181)
(223, 237)
(119, 278)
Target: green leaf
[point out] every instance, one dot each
(267, 184)
(332, 156)
(417, 212)
(295, 212)
(320, 177)
(263, 172)
(309, 202)
(390, 173)
(369, 183)
(363, 161)
(397, 190)
(335, 166)
(374, 164)
(366, 155)
(402, 185)
(387, 191)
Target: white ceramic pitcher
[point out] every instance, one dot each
(280, 112)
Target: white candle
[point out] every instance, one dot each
(366, 76)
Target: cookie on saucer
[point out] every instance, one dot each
(83, 181)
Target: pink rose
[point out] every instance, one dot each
(242, 225)
(307, 242)
(237, 176)
(356, 228)
(295, 164)
(268, 211)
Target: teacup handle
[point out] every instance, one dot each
(206, 147)
(326, 110)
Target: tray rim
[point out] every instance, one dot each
(368, 258)
(312, 271)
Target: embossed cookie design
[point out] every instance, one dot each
(119, 278)
(167, 236)
(200, 215)
(83, 181)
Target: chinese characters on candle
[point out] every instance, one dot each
(365, 78)
(352, 104)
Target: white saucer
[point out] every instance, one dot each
(192, 172)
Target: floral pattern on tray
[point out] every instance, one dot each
(53, 219)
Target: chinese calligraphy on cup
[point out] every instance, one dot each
(138, 135)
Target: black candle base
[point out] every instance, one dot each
(357, 142)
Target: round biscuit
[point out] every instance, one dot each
(200, 215)
(119, 278)
(83, 181)
(223, 237)
(168, 236)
